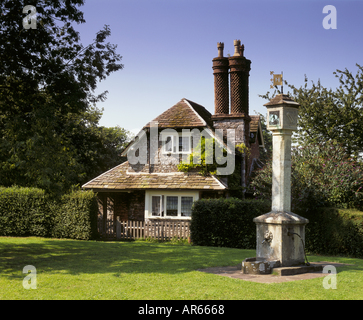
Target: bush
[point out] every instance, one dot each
(333, 231)
(23, 212)
(30, 212)
(226, 222)
(76, 217)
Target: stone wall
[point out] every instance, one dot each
(238, 124)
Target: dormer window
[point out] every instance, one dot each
(176, 142)
(184, 144)
(170, 144)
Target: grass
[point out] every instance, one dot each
(71, 269)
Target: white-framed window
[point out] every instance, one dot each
(176, 142)
(169, 204)
(156, 206)
(184, 144)
(186, 206)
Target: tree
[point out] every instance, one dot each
(98, 149)
(47, 93)
(331, 115)
(322, 175)
(325, 165)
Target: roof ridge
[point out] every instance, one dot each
(183, 114)
(195, 111)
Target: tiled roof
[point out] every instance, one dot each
(185, 114)
(255, 126)
(254, 123)
(282, 99)
(119, 178)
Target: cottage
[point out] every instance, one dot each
(149, 186)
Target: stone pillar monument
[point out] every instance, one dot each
(282, 120)
(279, 232)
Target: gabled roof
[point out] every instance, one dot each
(255, 127)
(119, 178)
(254, 123)
(184, 114)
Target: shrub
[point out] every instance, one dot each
(24, 212)
(334, 231)
(261, 184)
(226, 222)
(30, 212)
(76, 217)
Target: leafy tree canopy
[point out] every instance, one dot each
(49, 136)
(331, 115)
(322, 175)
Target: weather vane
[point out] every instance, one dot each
(277, 80)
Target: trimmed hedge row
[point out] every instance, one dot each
(77, 216)
(24, 211)
(333, 231)
(30, 212)
(226, 222)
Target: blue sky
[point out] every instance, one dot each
(168, 47)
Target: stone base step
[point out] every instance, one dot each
(288, 271)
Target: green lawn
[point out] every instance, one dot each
(70, 269)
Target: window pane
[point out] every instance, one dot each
(174, 146)
(155, 205)
(186, 206)
(172, 206)
(168, 144)
(184, 144)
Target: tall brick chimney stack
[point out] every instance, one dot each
(221, 90)
(236, 116)
(239, 74)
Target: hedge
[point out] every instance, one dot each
(333, 231)
(226, 222)
(30, 212)
(77, 216)
(24, 212)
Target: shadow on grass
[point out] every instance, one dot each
(78, 257)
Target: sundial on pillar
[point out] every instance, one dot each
(274, 118)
